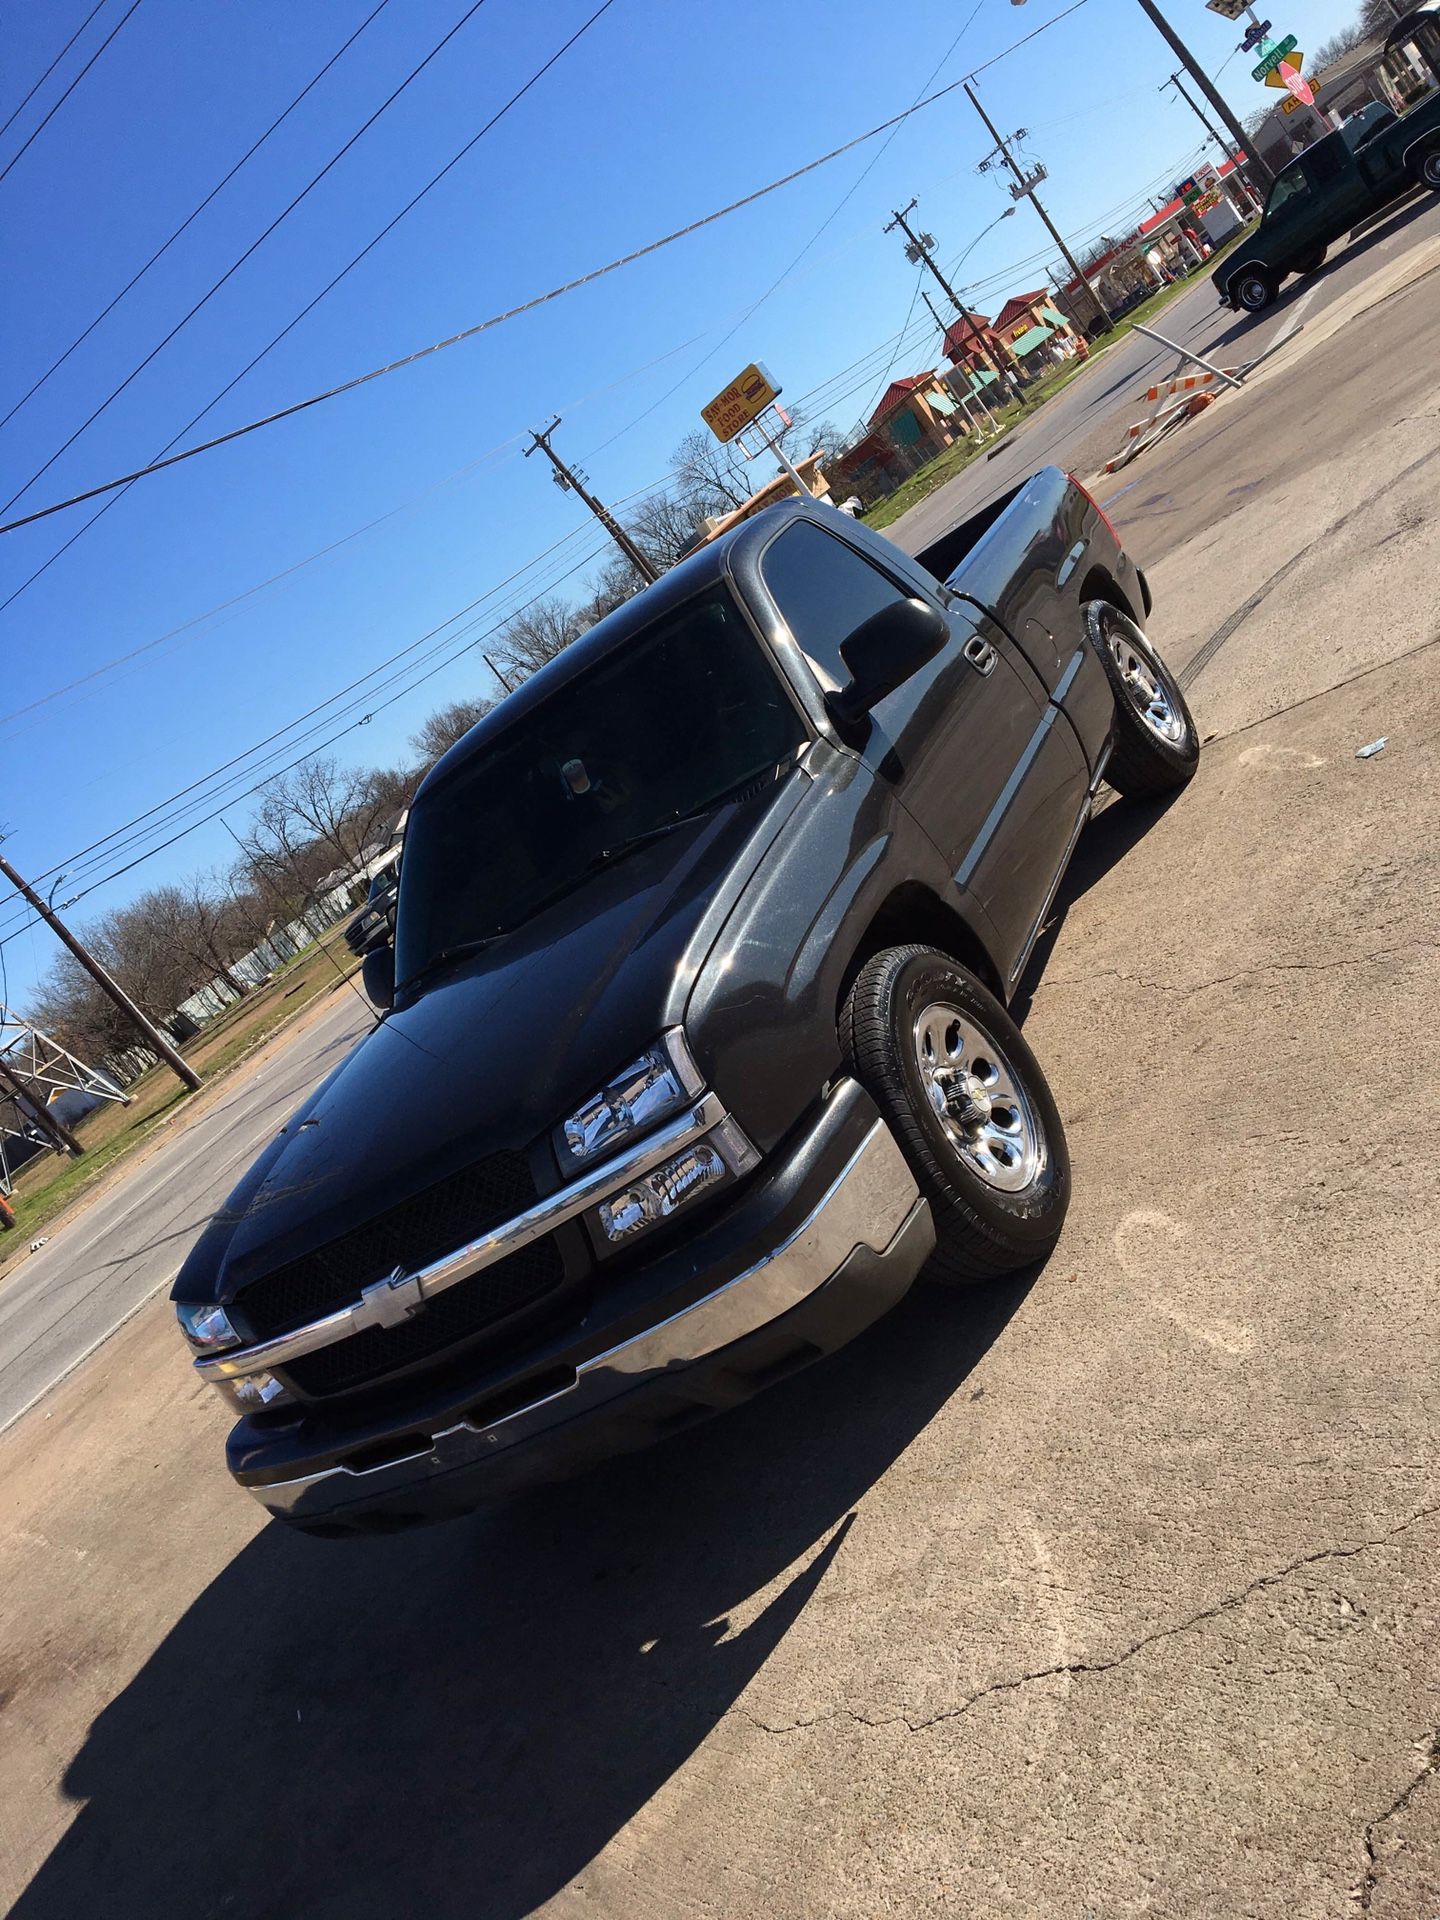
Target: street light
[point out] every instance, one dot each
(993, 224)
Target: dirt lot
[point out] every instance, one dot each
(1107, 1593)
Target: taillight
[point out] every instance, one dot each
(1086, 494)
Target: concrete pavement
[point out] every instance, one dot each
(1109, 1592)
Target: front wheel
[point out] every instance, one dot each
(1157, 744)
(968, 1105)
(1253, 289)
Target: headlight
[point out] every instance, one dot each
(207, 1327)
(249, 1392)
(660, 1081)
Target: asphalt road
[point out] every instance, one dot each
(1106, 1593)
(58, 1304)
(1083, 426)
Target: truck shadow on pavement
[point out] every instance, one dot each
(455, 1722)
(1103, 845)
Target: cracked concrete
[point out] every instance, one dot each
(1108, 1593)
(1370, 1884)
(1340, 1551)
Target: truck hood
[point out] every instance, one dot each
(493, 1055)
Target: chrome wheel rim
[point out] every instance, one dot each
(977, 1097)
(1145, 689)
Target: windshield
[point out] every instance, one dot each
(683, 716)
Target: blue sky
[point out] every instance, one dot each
(664, 110)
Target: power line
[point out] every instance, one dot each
(166, 812)
(70, 89)
(470, 467)
(527, 306)
(40, 83)
(116, 840)
(885, 377)
(236, 265)
(328, 288)
(782, 277)
(320, 747)
(193, 215)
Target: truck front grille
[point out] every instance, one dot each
(417, 1231)
(522, 1280)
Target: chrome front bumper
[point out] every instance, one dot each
(872, 1208)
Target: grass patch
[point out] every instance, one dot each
(45, 1186)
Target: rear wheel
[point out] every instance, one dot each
(968, 1105)
(1253, 288)
(1157, 745)
(1429, 169)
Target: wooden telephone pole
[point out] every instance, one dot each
(107, 984)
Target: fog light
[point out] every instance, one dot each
(661, 1192)
(249, 1392)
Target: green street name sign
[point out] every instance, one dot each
(1274, 56)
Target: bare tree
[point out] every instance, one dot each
(618, 582)
(707, 474)
(314, 818)
(666, 527)
(536, 634)
(446, 725)
(196, 918)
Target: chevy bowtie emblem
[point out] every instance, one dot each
(392, 1301)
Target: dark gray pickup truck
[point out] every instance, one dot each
(695, 1049)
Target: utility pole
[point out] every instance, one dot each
(966, 402)
(569, 482)
(1260, 170)
(1200, 114)
(107, 985)
(497, 673)
(1024, 188)
(920, 249)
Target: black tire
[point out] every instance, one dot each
(1253, 288)
(1427, 169)
(1157, 744)
(982, 1231)
(1313, 262)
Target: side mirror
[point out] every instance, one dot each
(377, 970)
(881, 654)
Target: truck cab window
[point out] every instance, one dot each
(1288, 190)
(824, 590)
(1327, 160)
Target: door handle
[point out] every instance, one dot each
(980, 654)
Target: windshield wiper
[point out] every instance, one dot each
(450, 957)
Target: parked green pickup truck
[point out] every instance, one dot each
(1334, 185)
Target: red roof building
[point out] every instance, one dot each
(897, 391)
(966, 341)
(1019, 309)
